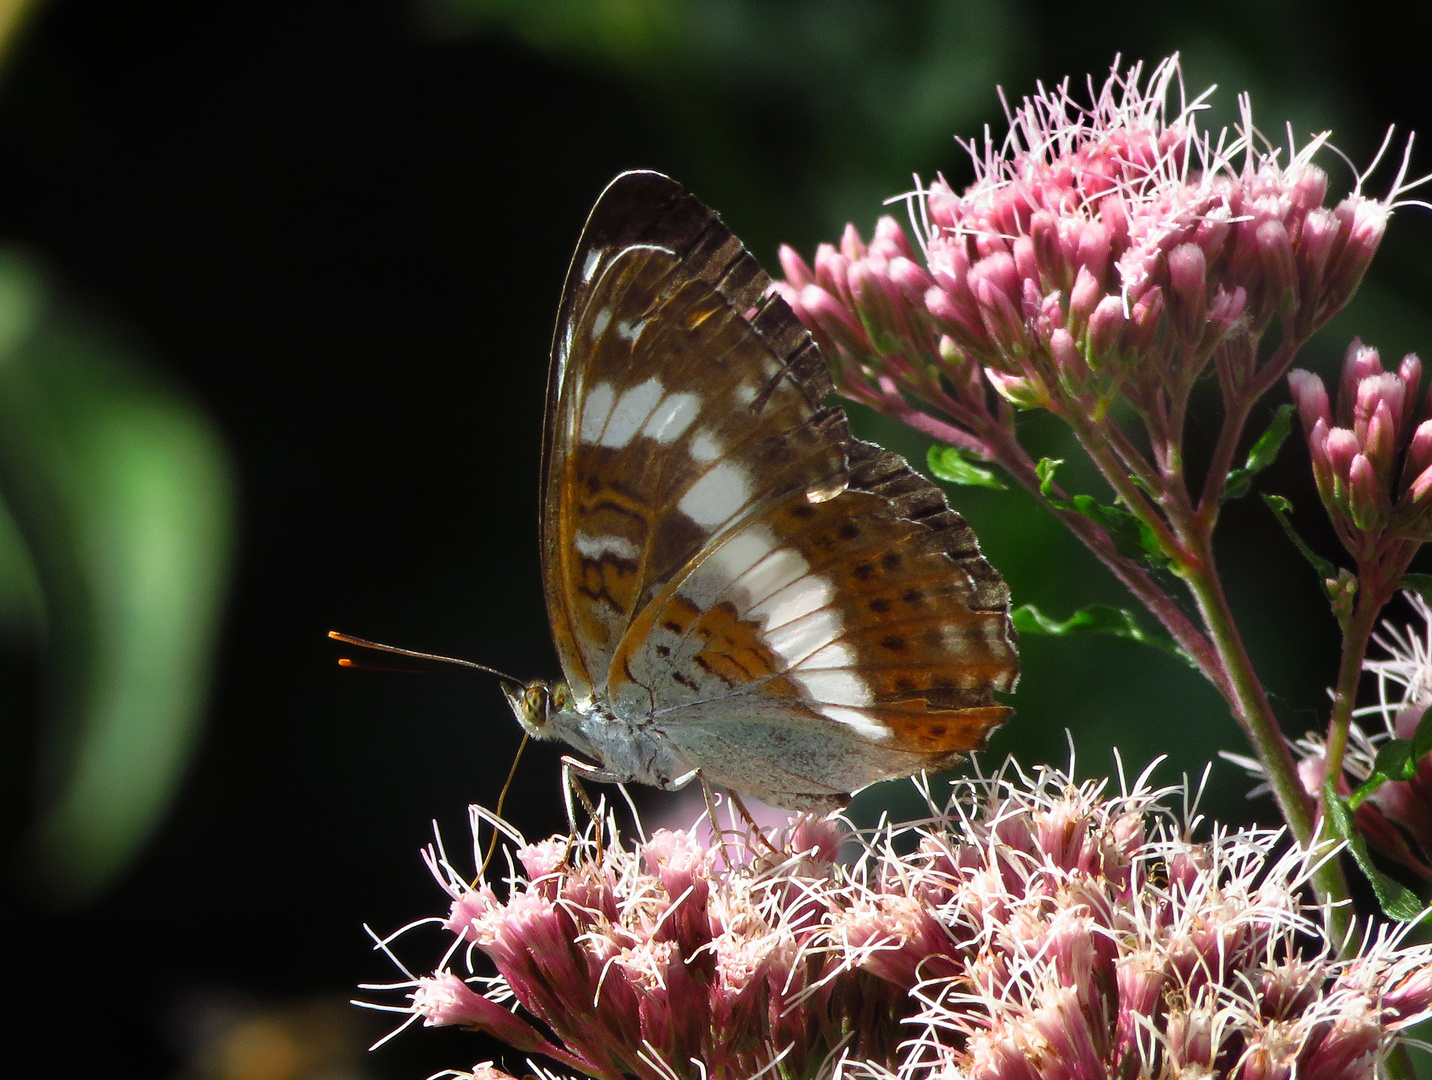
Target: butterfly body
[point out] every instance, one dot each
(736, 585)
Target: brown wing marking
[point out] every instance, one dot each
(860, 617)
(682, 424)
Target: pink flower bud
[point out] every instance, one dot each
(542, 859)
(1105, 325)
(1114, 216)
(1025, 262)
(1382, 391)
(1016, 389)
(878, 303)
(1341, 447)
(996, 306)
(913, 281)
(1140, 978)
(960, 320)
(1359, 362)
(1275, 251)
(1188, 295)
(1419, 453)
(818, 837)
(1048, 250)
(1095, 244)
(468, 910)
(1227, 307)
(1420, 487)
(1322, 467)
(1311, 396)
(797, 270)
(1083, 297)
(1315, 247)
(1000, 271)
(831, 268)
(1067, 361)
(1144, 321)
(1410, 997)
(444, 1000)
(1307, 187)
(851, 246)
(890, 237)
(1410, 372)
(1362, 223)
(1363, 492)
(1380, 442)
(834, 319)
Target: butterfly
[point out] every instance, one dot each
(737, 587)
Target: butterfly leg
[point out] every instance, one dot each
(751, 825)
(711, 812)
(572, 768)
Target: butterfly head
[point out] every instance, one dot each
(536, 702)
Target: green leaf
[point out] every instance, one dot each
(1281, 508)
(1263, 454)
(1398, 902)
(951, 466)
(1421, 584)
(1396, 759)
(1132, 537)
(1095, 619)
(120, 493)
(1421, 740)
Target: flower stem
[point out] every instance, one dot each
(1250, 704)
(1357, 631)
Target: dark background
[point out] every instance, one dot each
(340, 228)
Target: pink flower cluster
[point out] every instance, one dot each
(1102, 250)
(1030, 929)
(1373, 461)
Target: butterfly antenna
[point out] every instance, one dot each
(362, 643)
(502, 798)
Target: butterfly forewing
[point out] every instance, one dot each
(795, 611)
(674, 419)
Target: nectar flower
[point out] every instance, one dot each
(1373, 459)
(1030, 927)
(1105, 249)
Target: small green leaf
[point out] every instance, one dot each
(1263, 454)
(1421, 584)
(1421, 740)
(1398, 902)
(948, 464)
(1281, 508)
(1132, 537)
(1095, 619)
(1045, 471)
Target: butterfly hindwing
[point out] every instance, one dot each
(728, 571)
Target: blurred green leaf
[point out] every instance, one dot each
(1095, 619)
(122, 495)
(1263, 454)
(951, 466)
(1421, 584)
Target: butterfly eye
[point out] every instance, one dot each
(532, 707)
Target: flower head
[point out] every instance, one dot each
(1373, 459)
(1030, 927)
(1102, 249)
